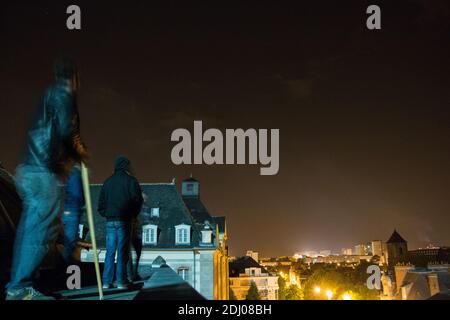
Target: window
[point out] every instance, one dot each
(149, 234)
(183, 234)
(154, 212)
(183, 273)
(207, 236)
(190, 187)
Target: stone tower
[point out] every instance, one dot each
(397, 249)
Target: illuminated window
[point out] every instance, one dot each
(183, 234)
(149, 234)
(154, 212)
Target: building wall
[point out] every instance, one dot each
(205, 273)
(395, 253)
(267, 286)
(377, 248)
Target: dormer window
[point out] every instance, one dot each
(183, 234)
(154, 212)
(207, 234)
(149, 234)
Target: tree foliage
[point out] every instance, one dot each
(293, 292)
(232, 296)
(253, 293)
(339, 281)
(281, 288)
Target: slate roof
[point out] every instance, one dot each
(221, 223)
(396, 238)
(440, 296)
(172, 212)
(166, 284)
(239, 265)
(163, 284)
(198, 210)
(200, 213)
(420, 287)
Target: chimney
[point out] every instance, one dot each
(433, 283)
(190, 188)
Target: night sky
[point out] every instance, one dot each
(363, 115)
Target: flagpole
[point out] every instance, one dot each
(87, 197)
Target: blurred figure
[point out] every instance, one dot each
(54, 145)
(73, 208)
(136, 244)
(120, 202)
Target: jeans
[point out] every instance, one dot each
(41, 204)
(71, 221)
(117, 240)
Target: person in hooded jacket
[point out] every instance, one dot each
(120, 201)
(54, 145)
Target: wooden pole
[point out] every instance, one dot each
(87, 197)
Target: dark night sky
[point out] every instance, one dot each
(363, 115)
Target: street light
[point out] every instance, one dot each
(346, 296)
(317, 289)
(329, 294)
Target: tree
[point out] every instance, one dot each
(281, 288)
(253, 293)
(339, 282)
(325, 280)
(232, 295)
(293, 292)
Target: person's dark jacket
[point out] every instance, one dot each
(121, 196)
(74, 198)
(54, 138)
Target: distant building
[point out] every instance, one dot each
(417, 274)
(244, 271)
(346, 251)
(253, 254)
(377, 248)
(324, 253)
(437, 255)
(313, 254)
(363, 249)
(359, 250)
(179, 229)
(340, 259)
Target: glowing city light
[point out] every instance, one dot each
(329, 294)
(346, 296)
(317, 289)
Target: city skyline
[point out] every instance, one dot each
(363, 115)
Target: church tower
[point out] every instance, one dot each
(397, 249)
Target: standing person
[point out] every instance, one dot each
(73, 207)
(120, 201)
(54, 144)
(136, 244)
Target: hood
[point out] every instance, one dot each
(122, 164)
